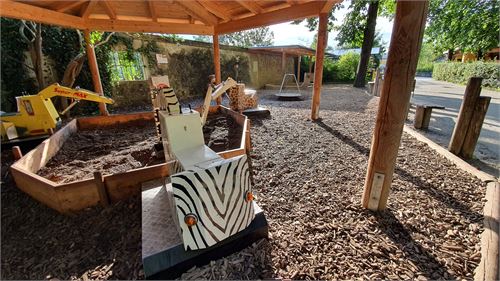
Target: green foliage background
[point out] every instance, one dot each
(189, 70)
(458, 72)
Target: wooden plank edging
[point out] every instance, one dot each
(485, 177)
(488, 268)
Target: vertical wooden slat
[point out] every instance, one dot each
(217, 63)
(471, 95)
(101, 189)
(408, 30)
(318, 68)
(94, 70)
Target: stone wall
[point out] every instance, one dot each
(264, 68)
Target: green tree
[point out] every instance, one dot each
(256, 37)
(358, 29)
(469, 25)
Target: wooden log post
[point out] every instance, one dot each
(94, 70)
(407, 33)
(318, 67)
(471, 95)
(475, 126)
(17, 153)
(218, 75)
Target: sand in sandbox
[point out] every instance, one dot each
(125, 147)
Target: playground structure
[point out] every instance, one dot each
(395, 93)
(37, 115)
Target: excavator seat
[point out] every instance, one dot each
(212, 195)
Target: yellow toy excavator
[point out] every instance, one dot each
(36, 113)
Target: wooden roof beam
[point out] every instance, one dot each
(64, 6)
(251, 6)
(198, 11)
(328, 6)
(148, 26)
(108, 7)
(310, 9)
(87, 9)
(152, 10)
(17, 10)
(215, 9)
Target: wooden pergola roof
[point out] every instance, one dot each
(180, 17)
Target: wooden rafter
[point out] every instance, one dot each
(24, 11)
(251, 6)
(152, 10)
(87, 9)
(276, 7)
(149, 26)
(215, 9)
(328, 6)
(108, 7)
(64, 6)
(198, 11)
(310, 9)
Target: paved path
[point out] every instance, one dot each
(443, 121)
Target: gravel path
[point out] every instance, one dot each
(309, 179)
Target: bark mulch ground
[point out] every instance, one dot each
(309, 179)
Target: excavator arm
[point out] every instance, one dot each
(213, 95)
(78, 94)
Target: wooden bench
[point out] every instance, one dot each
(423, 114)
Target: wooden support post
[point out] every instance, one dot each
(17, 153)
(471, 96)
(376, 85)
(475, 126)
(409, 24)
(101, 189)
(218, 78)
(299, 58)
(283, 63)
(318, 67)
(310, 64)
(94, 70)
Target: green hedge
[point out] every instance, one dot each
(458, 72)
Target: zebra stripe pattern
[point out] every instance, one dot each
(164, 99)
(217, 196)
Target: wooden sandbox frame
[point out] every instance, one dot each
(77, 195)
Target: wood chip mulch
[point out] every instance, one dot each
(309, 178)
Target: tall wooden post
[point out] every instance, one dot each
(283, 62)
(299, 58)
(217, 62)
(94, 70)
(310, 64)
(318, 67)
(471, 96)
(409, 24)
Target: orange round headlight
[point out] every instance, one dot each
(190, 219)
(249, 196)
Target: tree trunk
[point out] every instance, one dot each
(366, 49)
(479, 54)
(72, 71)
(450, 54)
(35, 51)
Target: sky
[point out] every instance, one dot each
(291, 34)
